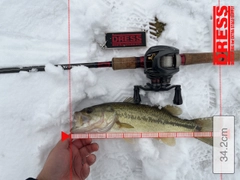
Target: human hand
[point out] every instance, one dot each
(69, 160)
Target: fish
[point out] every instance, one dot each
(129, 117)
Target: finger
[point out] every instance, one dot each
(85, 171)
(85, 151)
(79, 143)
(91, 159)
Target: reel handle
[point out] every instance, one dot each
(178, 96)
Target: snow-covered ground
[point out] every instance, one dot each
(34, 107)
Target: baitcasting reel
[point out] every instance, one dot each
(160, 64)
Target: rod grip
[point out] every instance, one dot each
(124, 63)
(199, 58)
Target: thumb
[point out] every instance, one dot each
(64, 144)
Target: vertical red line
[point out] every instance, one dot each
(229, 36)
(232, 33)
(69, 62)
(220, 97)
(220, 77)
(220, 89)
(69, 90)
(232, 37)
(214, 35)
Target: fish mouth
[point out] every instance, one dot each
(82, 123)
(85, 125)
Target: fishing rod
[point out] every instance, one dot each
(160, 63)
(122, 62)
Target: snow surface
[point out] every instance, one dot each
(34, 107)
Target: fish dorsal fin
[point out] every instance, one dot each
(124, 125)
(129, 100)
(169, 141)
(174, 110)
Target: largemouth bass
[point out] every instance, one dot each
(129, 117)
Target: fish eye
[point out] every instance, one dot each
(89, 110)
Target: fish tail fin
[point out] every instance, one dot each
(206, 125)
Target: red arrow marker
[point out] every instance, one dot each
(65, 136)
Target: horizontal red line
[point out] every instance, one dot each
(143, 135)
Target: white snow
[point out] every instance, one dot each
(34, 107)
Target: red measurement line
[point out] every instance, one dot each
(220, 96)
(69, 62)
(214, 34)
(142, 135)
(220, 89)
(229, 35)
(69, 87)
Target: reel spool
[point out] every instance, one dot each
(160, 64)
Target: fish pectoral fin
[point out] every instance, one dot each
(174, 110)
(169, 141)
(124, 125)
